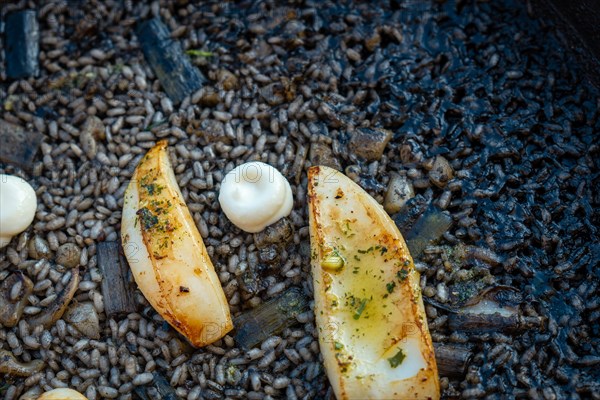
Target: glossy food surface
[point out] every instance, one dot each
(372, 326)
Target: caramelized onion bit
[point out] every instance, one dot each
(14, 292)
(10, 365)
(52, 313)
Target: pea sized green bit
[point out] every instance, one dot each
(397, 359)
(333, 261)
(360, 309)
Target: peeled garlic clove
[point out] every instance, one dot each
(255, 195)
(62, 394)
(18, 203)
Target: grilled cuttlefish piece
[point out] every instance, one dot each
(372, 326)
(167, 256)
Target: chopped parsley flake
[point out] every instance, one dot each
(360, 309)
(402, 274)
(147, 218)
(153, 188)
(390, 287)
(397, 359)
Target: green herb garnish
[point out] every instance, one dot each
(397, 359)
(199, 53)
(360, 309)
(402, 274)
(153, 188)
(147, 219)
(390, 287)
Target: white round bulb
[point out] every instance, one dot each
(18, 204)
(255, 195)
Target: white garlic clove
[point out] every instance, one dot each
(18, 204)
(255, 195)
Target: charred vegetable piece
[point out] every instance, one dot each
(493, 309)
(167, 255)
(14, 291)
(9, 365)
(22, 44)
(280, 233)
(484, 323)
(372, 326)
(410, 212)
(18, 147)
(467, 298)
(269, 318)
(116, 283)
(52, 313)
(160, 385)
(428, 228)
(178, 77)
(368, 143)
(452, 359)
(272, 240)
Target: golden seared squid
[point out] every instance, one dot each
(62, 394)
(167, 256)
(372, 326)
